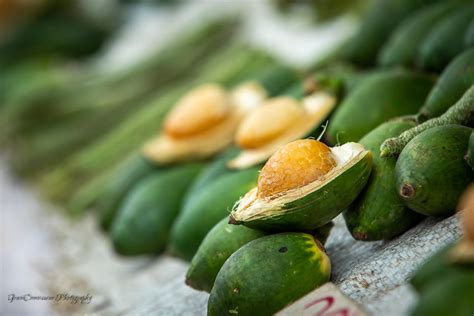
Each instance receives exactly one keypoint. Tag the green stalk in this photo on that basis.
(461, 113)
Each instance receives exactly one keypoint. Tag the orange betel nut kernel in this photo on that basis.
(295, 165)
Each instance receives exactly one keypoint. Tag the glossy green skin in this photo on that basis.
(210, 206)
(214, 170)
(320, 206)
(378, 213)
(403, 44)
(470, 151)
(456, 79)
(144, 221)
(377, 99)
(433, 165)
(446, 39)
(267, 274)
(220, 243)
(129, 174)
(379, 22)
(445, 288)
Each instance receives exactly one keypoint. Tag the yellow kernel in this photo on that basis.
(199, 110)
(268, 121)
(295, 165)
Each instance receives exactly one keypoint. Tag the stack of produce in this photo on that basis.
(101, 155)
(133, 206)
(305, 184)
(243, 179)
(201, 124)
(412, 130)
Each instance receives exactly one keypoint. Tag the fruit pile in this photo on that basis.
(249, 168)
(439, 280)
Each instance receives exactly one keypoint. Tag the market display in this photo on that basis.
(218, 153)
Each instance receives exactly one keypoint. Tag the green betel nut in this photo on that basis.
(378, 213)
(385, 95)
(129, 174)
(456, 79)
(304, 185)
(269, 273)
(144, 221)
(431, 172)
(220, 243)
(460, 113)
(206, 209)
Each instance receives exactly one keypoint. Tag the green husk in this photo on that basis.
(144, 221)
(431, 173)
(214, 170)
(455, 79)
(208, 207)
(461, 113)
(313, 205)
(378, 98)
(220, 243)
(295, 263)
(129, 174)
